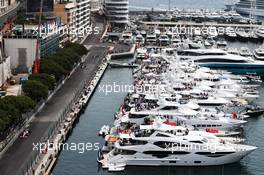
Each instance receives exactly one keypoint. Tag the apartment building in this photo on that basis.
(116, 11)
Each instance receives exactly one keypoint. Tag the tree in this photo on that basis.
(5, 120)
(45, 79)
(22, 103)
(50, 67)
(21, 20)
(11, 110)
(78, 48)
(35, 90)
(63, 61)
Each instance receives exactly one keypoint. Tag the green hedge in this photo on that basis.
(12, 108)
(52, 70)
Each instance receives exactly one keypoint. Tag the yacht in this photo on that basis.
(141, 53)
(245, 7)
(170, 146)
(244, 51)
(127, 37)
(252, 35)
(242, 34)
(259, 53)
(216, 58)
(230, 33)
(221, 43)
(175, 40)
(260, 32)
(200, 119)
(157, 32)
(140, 39)
(233, 50)
(151, 38)
(164, 40)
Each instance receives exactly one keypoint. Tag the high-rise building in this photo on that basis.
(83, 13)
(33, 6)
(5, 4)
(116, 11)
(75, 14)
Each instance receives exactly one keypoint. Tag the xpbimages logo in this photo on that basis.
(50, 29)
(78, 147)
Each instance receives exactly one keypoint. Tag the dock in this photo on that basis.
(49, 157)
(122, 65)
(121, 55)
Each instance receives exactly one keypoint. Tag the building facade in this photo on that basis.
(5, 67)
(75, 14)
(22, 43)
(67, 13)
(116, 11)
(95, 5)
(83, 13)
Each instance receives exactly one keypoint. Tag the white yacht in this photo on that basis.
(157, 32)
(175, 40)
(164, 40)
(201, 119)
(216, 58)
(141, 53)
(151, 38)
(140, 39)
(259, 53)
(260, 32)
(171, 146)
(245, 7)
(242, 34)
(245, 51)
(127, 38)
(230, 33)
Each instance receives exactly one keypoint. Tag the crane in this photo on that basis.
(38, 44)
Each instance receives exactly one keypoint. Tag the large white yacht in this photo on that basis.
(247, 7)
(171, 146)
(260, 32)
(259, 53)
(216, 58)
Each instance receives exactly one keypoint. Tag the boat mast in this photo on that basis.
(253, 9)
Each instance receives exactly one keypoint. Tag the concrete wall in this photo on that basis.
(22, 53)
(5, 71)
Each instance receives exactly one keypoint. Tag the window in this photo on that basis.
(196, 141)
(216, 154)
(126, 152)
(161, 135)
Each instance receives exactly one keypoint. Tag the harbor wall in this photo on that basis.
(44, 161)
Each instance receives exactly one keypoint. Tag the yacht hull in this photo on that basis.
(237, 68)
(191, 159)
(246, 11)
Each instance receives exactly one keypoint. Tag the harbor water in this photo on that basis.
(186, 4)
(100, 111)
